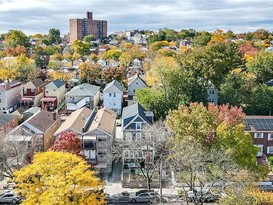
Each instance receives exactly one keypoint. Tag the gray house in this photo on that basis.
(134, 119)
(84, 95)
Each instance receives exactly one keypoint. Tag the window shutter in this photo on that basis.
(268, 151)
(269, 136)
(262, 135)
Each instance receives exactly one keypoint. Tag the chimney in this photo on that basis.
(89, 15)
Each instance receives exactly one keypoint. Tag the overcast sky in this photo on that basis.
(38, 16)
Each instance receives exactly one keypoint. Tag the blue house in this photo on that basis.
(134, 119)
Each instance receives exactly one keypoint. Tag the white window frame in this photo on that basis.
(268, 150)
(138, 123)
(270, 136)
(138, 136)
(258, 135)
(261, 149)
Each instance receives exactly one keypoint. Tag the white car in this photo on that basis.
(10, 197)
(204, 196)
(142, 197)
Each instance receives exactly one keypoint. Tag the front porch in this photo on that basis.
(49, 103)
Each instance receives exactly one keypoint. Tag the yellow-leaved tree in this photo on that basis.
(58, 178)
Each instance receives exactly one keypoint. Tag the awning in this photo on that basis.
(48, 99)
(89, 137)
(26, 99)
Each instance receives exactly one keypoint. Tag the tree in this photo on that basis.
(68, 142)
(82, 48)
(15, 38)
(14, 154)
(240, 83)
(54, 36)
(89, 38)
(7, 71)
(113, 73)
(25, 68)
(260, 34)
(215, 127)
(112, 54)
(58, 178)
(262, 66)
(217, 37)
(89, 73)
(19, 50)
(264, 95)
(202, 39)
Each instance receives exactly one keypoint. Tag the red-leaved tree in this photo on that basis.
(68, 142)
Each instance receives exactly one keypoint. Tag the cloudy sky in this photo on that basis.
(38, 16)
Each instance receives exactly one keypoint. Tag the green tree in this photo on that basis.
(58, 178)
(202, 38)
(240, 84)
(262, 66)
(220, 127)
(15, 38)
(264, 95)
(89, 38)
(54, 36)
(112, 54)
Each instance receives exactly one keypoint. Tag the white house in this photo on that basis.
(136, 63)
(102, 63)
(10, 93)
(134, 83)
(113, 63)
(113, 96)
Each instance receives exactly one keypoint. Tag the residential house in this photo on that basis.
(84, 95)
(32, 92)
(7, 123)
(38, 129)
(134, 83)
(102, 63)
(213, 95)
(113, 63)
(10, 93)
(30, 112)
(113, 96)
(98, 140)
(261, 130)
(136, 63)
(96, 131)
(134, 119)
(53, 95)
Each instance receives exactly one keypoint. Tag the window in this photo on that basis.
(89, 144)
(32, 90)
(126, 153)
(260, 152)
(102, 140)
(114, 103)
(114, 94)
(138, 126)
(138, 136)
(270, 136)
(138, 154)
(270, 150)
(128, 137)
(258, 135)
(110, 94)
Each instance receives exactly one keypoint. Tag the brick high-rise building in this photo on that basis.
(79, 28)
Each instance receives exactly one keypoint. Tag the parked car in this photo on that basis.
(142, 197)
(10, 197)
(198, 195)
(9, 186)
(120, 198)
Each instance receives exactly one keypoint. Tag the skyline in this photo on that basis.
(36, 16)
